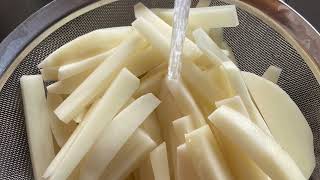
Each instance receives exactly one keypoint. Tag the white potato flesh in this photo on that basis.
(208, 161)
(88, 45)
(80, 116)
(286, 122)
(67, 86)
(205, 17)
(123, 125)
(272, 74)
(99, 80)
(229, 52)
(258, 145)
(150, 83)
(185, 101)
(234, 103)
(185, 168)
(113, 99)
(37, 117)
(60, 130)
(136, 149)
(145, 171)
(69, 70)
(152, 127)
(161, 28)
(203, 3)
(239, 88)
(49, 74)
(181, 127)
(209, 47)
(241, 165)
(159, 162)
(216, 34)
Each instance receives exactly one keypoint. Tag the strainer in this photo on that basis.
(270, 33)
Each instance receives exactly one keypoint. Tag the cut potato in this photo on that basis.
(285, 121)
(67, 86)
(159, 33)
(150, 83)
(239, 87)
(88, 45)
(272, 74)
(49, 74)
(99, 80)
(185, 101)
(208, 160)
(37, 117)
(136, 149)
(181, 127)
(159, 162)
(203, 3)
(60, 130)
(234, 103)
(114, 98)
(229, 52)
(68, 70)
(124, 125)
(216, 34)
(185, 168)
(145, 171)
(152, 127)
(80, 116)
(205, 17)
(259, 146)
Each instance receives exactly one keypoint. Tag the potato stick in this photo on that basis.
(119, 92)
(239, 87)
(86, 46)
(205, 17)
(185, 168)
(181, 127)
(67, 86)
(185, 102)
(234, 103)
(203, 3)
(68, 70)
(150, 83)
(190, 50)
(124, 125)
(49, 74)
(37, 117)
(99, 80)
(208, 161)
(80, 116)
(286, 122)
(60, 130)
(228, 51)
(152, 127)
(159, 162)
(145, 171)
(262, 148)
(216, 34)
(272, 74)
(135, 151)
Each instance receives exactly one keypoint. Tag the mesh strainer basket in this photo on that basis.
(270, 33)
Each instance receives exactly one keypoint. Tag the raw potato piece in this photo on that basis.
(203, 3)
(163, 30)
(60, 130)
(185, 168)
(86, 46)
(49, 74)
(234, 103)
(208, 160)
(123, 126)
(272, 74)
(152, 127)
(99, 80)
(216, 34)
(68, 70)
(136, 149)
(285, 121)
(205, 17)
(159, 162)
(37, 117)
(113, 99)
(181, 127)
(262, 148)
(145, 171)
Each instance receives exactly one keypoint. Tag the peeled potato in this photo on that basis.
(159, 162)
(185, 168)
(272, 74)
(285, 121)
(183, 126)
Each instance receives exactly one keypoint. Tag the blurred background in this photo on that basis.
(13, 12)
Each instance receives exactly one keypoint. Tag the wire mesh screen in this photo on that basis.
(255, 45)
